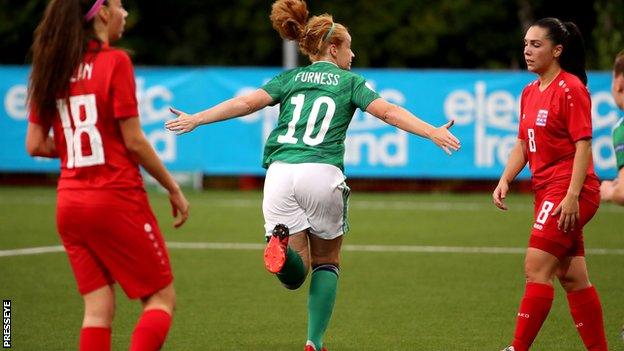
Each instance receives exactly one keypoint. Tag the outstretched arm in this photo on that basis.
(403, 119)
(515, 164)
(39, 142)
(235, 107)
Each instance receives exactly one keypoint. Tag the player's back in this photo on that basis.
(317, 104)
(87, 133)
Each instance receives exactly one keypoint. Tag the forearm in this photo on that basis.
(516, 162)
(618, 188)
(234, 107)
(39, 142)
(145, 155)
(403, 119)
(582, 156)
(47, 149)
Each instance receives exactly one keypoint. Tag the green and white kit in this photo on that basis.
(618, 142)
(304, 186)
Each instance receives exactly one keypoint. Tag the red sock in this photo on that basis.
(534, 309)
(587, 314)
(151, 331)
(95, 339)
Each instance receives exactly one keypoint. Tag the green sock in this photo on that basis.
(294, 272)
(321, 302)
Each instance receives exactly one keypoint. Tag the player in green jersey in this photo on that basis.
(613, 190)
(305, 196)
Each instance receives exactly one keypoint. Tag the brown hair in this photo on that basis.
(618, 64)
(290, 20)
(59, 45)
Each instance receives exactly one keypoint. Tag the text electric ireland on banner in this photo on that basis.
(483, 104)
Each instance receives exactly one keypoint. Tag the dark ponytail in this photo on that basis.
(59, 45)
(568, 35)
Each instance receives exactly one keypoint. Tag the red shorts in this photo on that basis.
(545, 234)
(112, 236)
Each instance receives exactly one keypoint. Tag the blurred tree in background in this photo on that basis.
(608, 36)
(393, 33)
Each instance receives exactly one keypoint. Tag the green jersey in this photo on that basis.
(618, 142)
(317, 103)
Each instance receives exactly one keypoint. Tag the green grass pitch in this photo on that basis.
(387, 300)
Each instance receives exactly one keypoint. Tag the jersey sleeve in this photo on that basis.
(274, 88)
(362, 95)
(521, 131)
(618, 143)
(124, 88)
(577, 107)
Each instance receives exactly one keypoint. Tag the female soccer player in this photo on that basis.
(305, 196)
(613, 190)
(555, 138)
(84, 91)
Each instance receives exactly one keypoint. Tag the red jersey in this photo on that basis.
(551, 122)
(86, 129)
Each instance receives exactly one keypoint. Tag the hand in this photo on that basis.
(499, 194)
(606, 190)
(179, 206)
(569, 210)
(442, 137)
(183, 124)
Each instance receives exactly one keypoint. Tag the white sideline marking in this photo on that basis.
(354, 248)
(31, 251)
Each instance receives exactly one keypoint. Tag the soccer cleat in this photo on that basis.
(310, 347)
(509, 348)
(275, 251)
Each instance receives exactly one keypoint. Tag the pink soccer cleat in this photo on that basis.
(275, 251)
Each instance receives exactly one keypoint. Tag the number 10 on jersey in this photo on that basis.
(298, 101)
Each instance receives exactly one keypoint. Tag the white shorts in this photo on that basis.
(304, 196)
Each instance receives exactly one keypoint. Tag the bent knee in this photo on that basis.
(569, 283)
(164, 299)
(98, 316)
(536, 274)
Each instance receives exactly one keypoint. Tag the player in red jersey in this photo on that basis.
(555, 138)
(84, 91)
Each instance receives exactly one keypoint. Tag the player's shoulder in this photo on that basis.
(619, 125)
(115, 56)
(287, 74)
(567, 82)
(533, 85)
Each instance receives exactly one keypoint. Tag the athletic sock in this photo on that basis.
(587, 314)
(95, 339)
(293, 274)
(534, 309)
(151, 331)
(321, 300)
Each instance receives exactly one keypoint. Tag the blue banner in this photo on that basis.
(484, 105)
